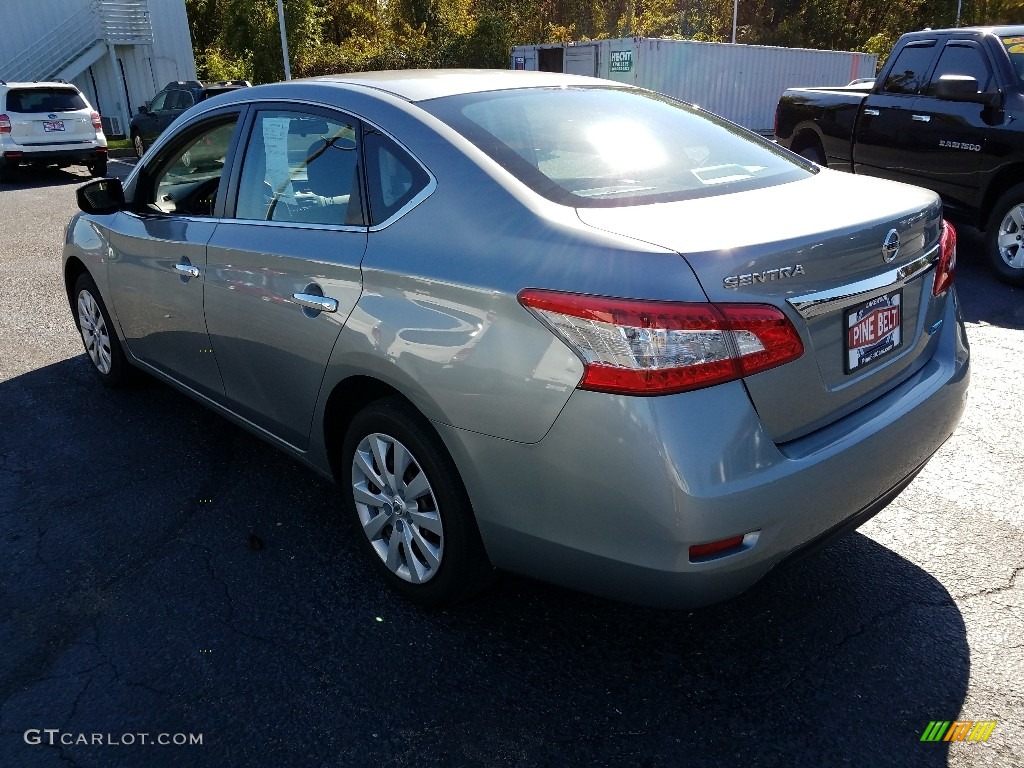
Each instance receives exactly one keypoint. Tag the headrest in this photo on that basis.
(330, 168)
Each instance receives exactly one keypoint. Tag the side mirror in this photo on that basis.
(101, 196)
(144, 109)
(965, 89)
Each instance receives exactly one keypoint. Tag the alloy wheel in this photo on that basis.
(94, 332)
(397, 508)
(1010, 238)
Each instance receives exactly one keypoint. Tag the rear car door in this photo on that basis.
(948, 143)
(284, 269)
(884, 125)
(158, 265)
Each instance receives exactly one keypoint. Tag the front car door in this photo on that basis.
(284, 269)
(885, 123)
(949, 139)
(157, 266)
(147, 123)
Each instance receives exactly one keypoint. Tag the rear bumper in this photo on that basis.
(612, 498)
(83, 153)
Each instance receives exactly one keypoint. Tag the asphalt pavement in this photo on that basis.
(137, 608)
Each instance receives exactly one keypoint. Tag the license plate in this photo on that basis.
(874, 329)
(56, 125)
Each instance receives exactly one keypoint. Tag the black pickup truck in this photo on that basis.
(947, 113)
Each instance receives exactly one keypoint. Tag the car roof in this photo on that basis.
(40, 84)
(423, 84)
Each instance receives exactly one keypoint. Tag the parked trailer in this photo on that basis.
(742, 83)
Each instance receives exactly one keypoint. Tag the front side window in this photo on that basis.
(301, 167)
(601, 147)
(960, 59)
(157, 103)
(186, 180)
(908, 72)
(44, 100)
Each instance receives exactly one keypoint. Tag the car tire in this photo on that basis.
(139, 145)
(418, 529)
(1004, 237)
(6, 172)
(99, 338)
(98, 167)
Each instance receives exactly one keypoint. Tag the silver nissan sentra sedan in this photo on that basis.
(534, 322)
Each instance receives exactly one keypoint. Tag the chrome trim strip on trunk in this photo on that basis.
(820, 303)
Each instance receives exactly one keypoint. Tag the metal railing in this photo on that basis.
(126, 21)
(123, 22)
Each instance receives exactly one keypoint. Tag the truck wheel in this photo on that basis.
(814, 153)
(1004, 237)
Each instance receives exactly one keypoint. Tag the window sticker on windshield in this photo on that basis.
(1012, 40)
(1019, 48)
(275, 147)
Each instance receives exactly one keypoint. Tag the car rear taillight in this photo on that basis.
(96, 122)
(635, 347)
(5, 124)
(946, 270)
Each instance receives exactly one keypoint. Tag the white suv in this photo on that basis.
(49, 124)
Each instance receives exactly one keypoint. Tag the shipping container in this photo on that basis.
(742, 83)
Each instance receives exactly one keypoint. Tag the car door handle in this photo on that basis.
(872, 112)
(186, 270)
(317, 303)
(921, 118)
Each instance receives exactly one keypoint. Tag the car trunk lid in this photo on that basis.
(814, 249)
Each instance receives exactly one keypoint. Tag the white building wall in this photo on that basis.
(171, 57)
(22, 22)
(116, 78)
(741, 83)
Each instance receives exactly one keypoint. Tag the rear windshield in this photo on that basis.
(1014, 45)
(601, 147)
(44, 100)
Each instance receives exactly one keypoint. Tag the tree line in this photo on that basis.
(240, 39)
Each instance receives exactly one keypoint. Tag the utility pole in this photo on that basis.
(735, 13)
(284, 40)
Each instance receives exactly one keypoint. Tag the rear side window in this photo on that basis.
(44, 100)
(180, 100)
(910, 69)
(962, 59)
(602, 147)
(393, 177)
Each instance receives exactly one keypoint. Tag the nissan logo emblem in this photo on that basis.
(891, 245)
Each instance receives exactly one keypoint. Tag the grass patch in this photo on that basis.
(119, 144)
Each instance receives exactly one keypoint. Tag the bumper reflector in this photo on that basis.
(701, 551)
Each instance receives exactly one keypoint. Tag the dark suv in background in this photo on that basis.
(160, 111)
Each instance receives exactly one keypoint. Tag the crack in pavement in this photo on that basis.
(1011, 584)
(64, 632)
(861, 630)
